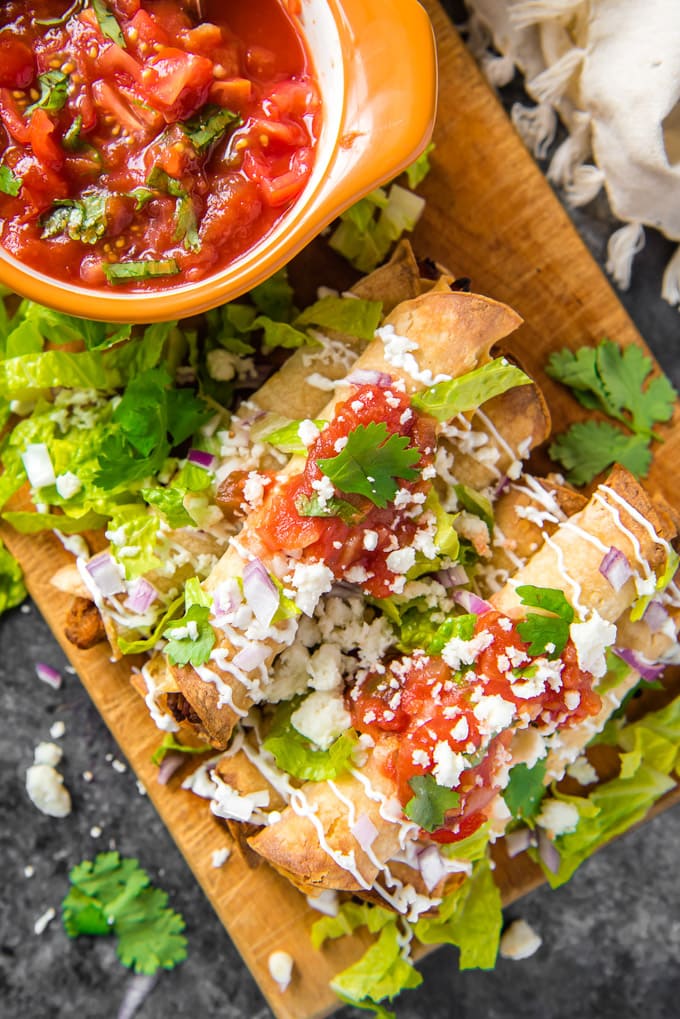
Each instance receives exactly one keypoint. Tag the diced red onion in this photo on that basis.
(471, 602)
(105, 573)
(142, 594)
(519, 840)
(364, 831)
(548, 852)
(38, 465)
(137, 990)
(260, 592)
(369, 377)
(615, 568)
(648, 670)
(453, 576)
(432, 867)
(501, 486)
(173, 760)
(200, 458)
(48, 675)
(250, 657)
(655, 616)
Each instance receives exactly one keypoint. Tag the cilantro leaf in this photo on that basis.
(430, 802)
(114, 895)
(311, 506)
(454, 396)
(525, 790)
(618, 383)
(208, 126)
(541, 631)
(371, 462)
(108, 23)
(81, 219)
(191, 638)
(10, 184)
(53, 92)
(590, 447)
(139, 269)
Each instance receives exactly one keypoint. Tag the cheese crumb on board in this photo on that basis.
(519, 941)
(281, 968)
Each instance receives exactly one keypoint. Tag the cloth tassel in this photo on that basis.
(585, 184)
(532, 12)
(498, 71)
(573, 151)
(670, 285)
(536, 126)
(550, 85)
(622, 248)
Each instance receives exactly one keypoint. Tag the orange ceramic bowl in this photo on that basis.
(375, 62)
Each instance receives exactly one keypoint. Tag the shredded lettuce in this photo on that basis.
(367, 231)
(344, 314)
(12, 587)
(382, 972)
(470, 917)
(446, 399)
(297, 756)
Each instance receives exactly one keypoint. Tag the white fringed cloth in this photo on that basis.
(610, 70)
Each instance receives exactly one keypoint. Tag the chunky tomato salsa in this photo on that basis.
(149, 144)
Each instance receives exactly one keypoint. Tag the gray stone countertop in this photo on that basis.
(611, 937)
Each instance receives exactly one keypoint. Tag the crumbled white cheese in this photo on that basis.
(46, 790)
(322, 717)
(325, 668)
(254, 489)
(228, 803)
(38, 465)
(398, 352)
(460, 730)
(41, 923)
(68, 484)
(219, 857)
(57, 729)
(281, 968)
(95, 831)
(558, 817)
(493, 713)
(421, 758)
(370, 541)
(311, 581)
(519, 941)
(47, 753)
(308, 432)
(401, 560)
(118, 766)
(448, 765)
(591, 639)
(459, 652)
(221, 365)
(582, 770)
(528, 747)
(572, 699)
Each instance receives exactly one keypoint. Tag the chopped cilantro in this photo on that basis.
(430, 802)
(455, 396)
(82, 219)
(311, 506)
(53, 92)
(71, 139)
(10, 184)
(186, 224)
(618, 383)
(141, 269)
(525, 790)
(107, 22)
(113, 895)
(545, 634)
(208, 126)
(371, 463)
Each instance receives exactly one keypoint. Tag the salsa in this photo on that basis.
(458, 723)
(350, 534)
(149, 143)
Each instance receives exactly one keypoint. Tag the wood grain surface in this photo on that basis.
(490, 215)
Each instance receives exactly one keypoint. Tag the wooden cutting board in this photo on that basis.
(490, 215)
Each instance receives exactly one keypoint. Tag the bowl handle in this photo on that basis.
(390, 102)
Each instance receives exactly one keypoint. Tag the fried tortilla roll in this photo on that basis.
(620, 516)
(452, 333)
(463, 735)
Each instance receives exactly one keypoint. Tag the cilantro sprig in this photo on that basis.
(430, 802)
(113, 895)
(546, 634)
(616, 382)
(525, 790)
(371, 463)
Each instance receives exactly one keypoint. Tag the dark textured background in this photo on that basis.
(611, 937)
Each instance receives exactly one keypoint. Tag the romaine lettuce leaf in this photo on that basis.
(446, 399)
(345, 314)
(297, 756)
(470, 917)
(12, 588)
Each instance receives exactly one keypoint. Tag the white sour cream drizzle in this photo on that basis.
(575, 586)
(163, 719)
(515, 466)
(638, 518)
(346, 861)
(225, 694)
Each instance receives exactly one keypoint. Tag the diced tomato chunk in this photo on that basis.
(41, 139)
(178, 82)
(17, 66)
